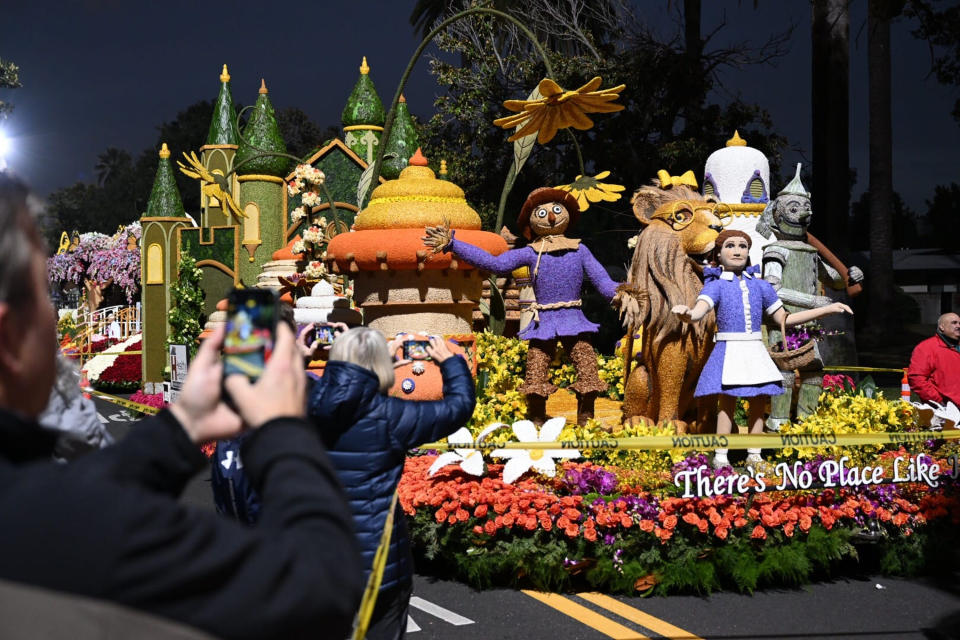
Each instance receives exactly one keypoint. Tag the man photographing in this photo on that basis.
(109, 527)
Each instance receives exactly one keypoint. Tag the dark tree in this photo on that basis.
(831, 128)
(9, 79)
(942, 216)
(939, 25)
(880, 278)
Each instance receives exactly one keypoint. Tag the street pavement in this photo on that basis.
(862, 607)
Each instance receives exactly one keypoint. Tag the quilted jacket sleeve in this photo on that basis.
(419, 422)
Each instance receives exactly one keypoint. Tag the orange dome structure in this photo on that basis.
(398, 283)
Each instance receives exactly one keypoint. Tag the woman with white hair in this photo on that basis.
(368, 434)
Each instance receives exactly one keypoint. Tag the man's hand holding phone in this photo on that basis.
(281, 390)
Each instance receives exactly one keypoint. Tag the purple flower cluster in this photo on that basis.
(801, 334)
(590, 480)
(100, 258)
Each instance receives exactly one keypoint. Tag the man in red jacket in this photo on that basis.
(934, 372)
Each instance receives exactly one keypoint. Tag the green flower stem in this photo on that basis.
(388, 122)
(576, 147)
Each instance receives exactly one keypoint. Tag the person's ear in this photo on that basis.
(9, 339)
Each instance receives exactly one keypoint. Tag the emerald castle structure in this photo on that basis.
(231, 250)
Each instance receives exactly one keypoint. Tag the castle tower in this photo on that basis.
(363, 117)
(739, 176)
(403, 142)
(261, 189)
(218, 153)
(159, 255)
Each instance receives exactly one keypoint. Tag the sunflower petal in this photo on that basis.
(548, 128)
(602, 175)
(591, 86)
(548, 88)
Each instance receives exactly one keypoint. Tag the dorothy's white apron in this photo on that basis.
(746, 361)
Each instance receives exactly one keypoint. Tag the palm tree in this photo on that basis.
(830, 36)
(880, 279)
(110, 164)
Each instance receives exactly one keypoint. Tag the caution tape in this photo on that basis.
(715, 441)
(123, 402)
(880, 369)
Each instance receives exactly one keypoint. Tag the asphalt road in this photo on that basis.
(867, 607)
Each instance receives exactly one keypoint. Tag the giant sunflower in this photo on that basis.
(558, 109)
(587, 189)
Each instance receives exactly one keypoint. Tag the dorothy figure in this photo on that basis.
(739, 365)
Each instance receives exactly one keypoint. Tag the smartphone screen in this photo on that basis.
(251, 327)
(416, 350)
(324, 334)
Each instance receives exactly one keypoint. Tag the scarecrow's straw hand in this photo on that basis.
(438, 238)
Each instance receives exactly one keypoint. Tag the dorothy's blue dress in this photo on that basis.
(739, 364)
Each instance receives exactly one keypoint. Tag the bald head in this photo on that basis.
(949, 325)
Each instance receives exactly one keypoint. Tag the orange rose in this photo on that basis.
(478, 530)
(703, 525)
(691, 519)
(788, 529)
(490, 527)
(546, 524)
(759, 533)
(646, 525)
(590, 534)
(463, 515)
(572, 514)
(670, 522)
(572, 531)
(480, 511)
(721, 532)
(440, 515)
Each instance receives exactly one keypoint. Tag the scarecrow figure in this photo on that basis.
(558, 265)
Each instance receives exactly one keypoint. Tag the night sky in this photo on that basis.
(104, 73)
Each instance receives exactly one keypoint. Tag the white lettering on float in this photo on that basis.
(701, 483)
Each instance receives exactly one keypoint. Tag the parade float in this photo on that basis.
(626, 502)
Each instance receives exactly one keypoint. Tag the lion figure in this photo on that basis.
(680, 228)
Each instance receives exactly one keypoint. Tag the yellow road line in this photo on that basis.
(586, 616)
(639, 617)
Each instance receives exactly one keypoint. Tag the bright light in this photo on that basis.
(4, 149)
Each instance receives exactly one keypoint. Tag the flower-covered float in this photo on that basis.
(626, 521)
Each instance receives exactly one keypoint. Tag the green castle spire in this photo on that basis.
(403, 142)
(223, 125)
(165, 197)
(263, 133)
(363, 106)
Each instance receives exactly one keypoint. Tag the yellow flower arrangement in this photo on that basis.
(587, 189)
(850, 414)
(558, 109)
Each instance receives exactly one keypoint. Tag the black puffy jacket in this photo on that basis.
(367, 435)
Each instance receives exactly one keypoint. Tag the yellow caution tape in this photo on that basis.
(123, 402)
(362, 620)
(901, 370)
(714, 441)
